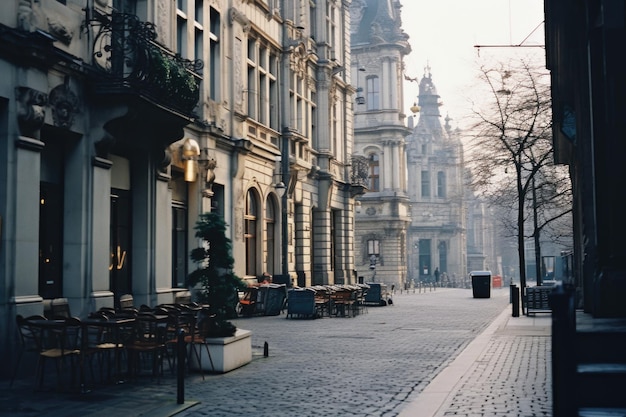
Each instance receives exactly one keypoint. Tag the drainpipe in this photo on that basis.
(285, 136)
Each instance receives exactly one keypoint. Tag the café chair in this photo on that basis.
(28, 340)
(57, 341)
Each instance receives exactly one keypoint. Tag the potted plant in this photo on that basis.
(218, 284)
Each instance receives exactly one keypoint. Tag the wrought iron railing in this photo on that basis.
(359, 174)
(127, 50)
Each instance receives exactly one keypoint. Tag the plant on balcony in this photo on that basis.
(217, 283)
(171, 74)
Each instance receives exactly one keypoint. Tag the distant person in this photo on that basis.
(436, 275)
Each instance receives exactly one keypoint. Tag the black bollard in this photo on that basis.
(181, 352)
(266, 350)
(515, 299)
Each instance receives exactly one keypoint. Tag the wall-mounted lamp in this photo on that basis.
(357, 206)
(415, 108)
(190, 154)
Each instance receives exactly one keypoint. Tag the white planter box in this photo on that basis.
(227, 353)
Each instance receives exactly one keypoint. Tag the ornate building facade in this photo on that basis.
(123, 120)
(383, 217)
(437, 235)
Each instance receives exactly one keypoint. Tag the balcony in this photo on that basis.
(128, 61)
(359, 175)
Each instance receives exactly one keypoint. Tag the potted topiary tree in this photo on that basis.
(218, 284)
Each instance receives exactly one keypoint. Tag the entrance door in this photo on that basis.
(50, 240)
(119, 264)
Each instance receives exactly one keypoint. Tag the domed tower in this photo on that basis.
(378, 47)
(436, 237)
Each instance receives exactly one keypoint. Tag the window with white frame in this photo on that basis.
(373, 93)
(191, 42)
(262, 91)
(301, 105)
(373, 247)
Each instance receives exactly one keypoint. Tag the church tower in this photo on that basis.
(437, 235)
(378, 48)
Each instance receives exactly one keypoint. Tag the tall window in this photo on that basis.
(332, 30)
(374, 173)
(373, 93)
(373, 247)
(262, 85)
(425, 183)
(179, 229)
(301, 102)
(270, 235)
(214, 55)
(250, 232)
(441, 184)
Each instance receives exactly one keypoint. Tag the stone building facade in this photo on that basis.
(123, 120)
(437, 237)
(383, 216)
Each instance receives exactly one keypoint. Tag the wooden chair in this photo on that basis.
(58, 341)
(148, 343)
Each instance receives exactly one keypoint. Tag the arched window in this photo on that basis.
(270, 235)
(250, 232)
(374, 173)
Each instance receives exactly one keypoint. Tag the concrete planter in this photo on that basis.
(227, 353)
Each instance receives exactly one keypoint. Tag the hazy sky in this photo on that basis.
(443, 34)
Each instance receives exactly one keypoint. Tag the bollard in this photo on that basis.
(515, 299)
(181, 352)
(266, 350)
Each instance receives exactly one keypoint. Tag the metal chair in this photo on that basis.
(28, 340)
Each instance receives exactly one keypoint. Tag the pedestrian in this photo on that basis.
(436, 275)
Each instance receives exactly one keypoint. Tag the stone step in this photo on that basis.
(601, 385)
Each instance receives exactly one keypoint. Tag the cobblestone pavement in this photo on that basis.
(375, 364)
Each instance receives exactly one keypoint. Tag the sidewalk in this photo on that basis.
(403, 361)
(505, 371)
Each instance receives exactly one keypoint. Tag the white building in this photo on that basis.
(437, 235)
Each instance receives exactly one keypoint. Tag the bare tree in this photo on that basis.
(510, 151)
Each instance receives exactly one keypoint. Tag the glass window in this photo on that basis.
(374, 173)
(179, 230)
(425, 184)
(270, 236)
(373, 93)
(441, 184)
(250, 232)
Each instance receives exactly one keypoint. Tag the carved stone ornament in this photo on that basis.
(60, 31)
(64, 104)
(31, 110)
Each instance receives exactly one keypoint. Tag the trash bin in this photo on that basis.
(481, 284)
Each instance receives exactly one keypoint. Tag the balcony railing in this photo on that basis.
(126, 49)
(359, 175)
